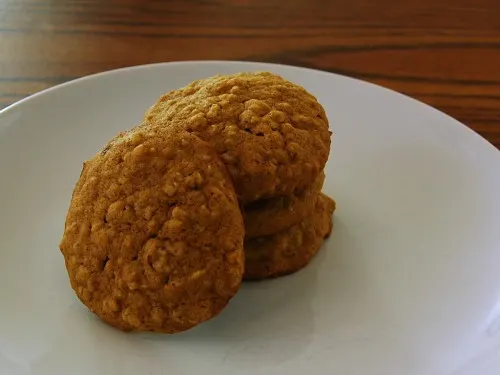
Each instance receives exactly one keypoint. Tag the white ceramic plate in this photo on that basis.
(409, 283)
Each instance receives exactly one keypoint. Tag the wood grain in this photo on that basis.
(443, 52)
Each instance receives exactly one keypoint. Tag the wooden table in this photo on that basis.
(443, 52)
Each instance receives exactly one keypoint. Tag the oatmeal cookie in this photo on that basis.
(153, 239)
(272, 135)
(273, 215)
(292, 249)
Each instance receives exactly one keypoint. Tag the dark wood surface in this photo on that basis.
(443, 52)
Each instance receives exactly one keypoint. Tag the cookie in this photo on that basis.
(153, 239)
(272, 135)
(269, 216)
(292, 249)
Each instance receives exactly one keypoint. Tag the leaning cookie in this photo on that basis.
(292, 249)
(153, 239)
(272, 135)
(273, 215)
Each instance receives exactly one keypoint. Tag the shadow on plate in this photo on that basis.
(265, 324)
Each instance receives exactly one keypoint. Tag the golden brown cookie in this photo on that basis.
(273, 135)
(292, 249)
(153, 239)
(269, 216)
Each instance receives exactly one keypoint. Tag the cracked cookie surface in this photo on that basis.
(269, 216)
(153, 239)
(292, 249)
(272, 135)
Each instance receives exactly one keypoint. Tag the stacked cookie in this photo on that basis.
(274, 138)
(222, 181)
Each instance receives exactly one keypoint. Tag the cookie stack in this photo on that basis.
(274, 138)
(222, 181)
